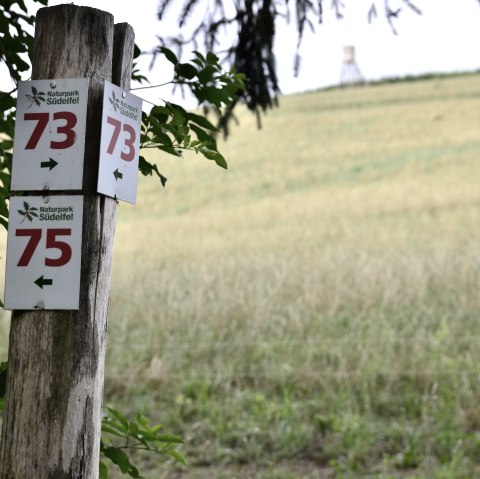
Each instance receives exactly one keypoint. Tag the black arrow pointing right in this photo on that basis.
(49, 164)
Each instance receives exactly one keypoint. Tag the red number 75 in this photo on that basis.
(35, 235)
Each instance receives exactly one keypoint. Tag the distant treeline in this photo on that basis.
(399, 79)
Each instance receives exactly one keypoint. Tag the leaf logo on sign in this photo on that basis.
(115, 102)
(28, 212)
(36, 97)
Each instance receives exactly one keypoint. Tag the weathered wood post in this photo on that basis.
(52, 419)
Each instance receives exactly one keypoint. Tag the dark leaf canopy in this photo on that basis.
(248, 27)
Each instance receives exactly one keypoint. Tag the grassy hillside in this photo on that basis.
(312, 312)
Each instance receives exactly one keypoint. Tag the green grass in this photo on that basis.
(312, 312)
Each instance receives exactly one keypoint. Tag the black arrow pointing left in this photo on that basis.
(41, 282)
(117, 175)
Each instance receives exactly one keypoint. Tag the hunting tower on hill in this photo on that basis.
(351, 74)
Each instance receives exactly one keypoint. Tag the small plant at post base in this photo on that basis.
(121, 435)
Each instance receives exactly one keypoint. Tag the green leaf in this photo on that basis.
(6, 101)
(136, 51)
(212, 58)
(159, 110)
(178, 112)
(138, 77)
(140, 418)
(186, 140)
(103, 474)
(21, 4)
(207, 74)
(214, 155)
(171, 150)
(163, 139)
(199, 56)
(198, 62)
(202, 135)
(147, 169)
(120, 417)
(6, 145)
(176, 455)
(160, 113)
(221, 161)
(118, 457)
(133, 428)
(110, 429)
(4, 179)
(202, 121)
(22, 66)
(176, 129)
(186, 70)
(170, 438)
(160, 136)
(3, 207)
(214, 95)
(169, 55)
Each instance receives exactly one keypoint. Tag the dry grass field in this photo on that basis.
(313, 312)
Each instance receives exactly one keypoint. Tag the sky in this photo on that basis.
(444, 38)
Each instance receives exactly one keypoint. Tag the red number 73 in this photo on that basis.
(42, 119)
(129, 141)
(35, 235)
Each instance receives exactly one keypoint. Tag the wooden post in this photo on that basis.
(52, 419)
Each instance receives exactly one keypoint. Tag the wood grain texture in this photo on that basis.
(52, 419)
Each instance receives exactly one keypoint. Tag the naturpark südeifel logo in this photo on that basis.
(28, 212)
(36, 97)
(115, 102)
